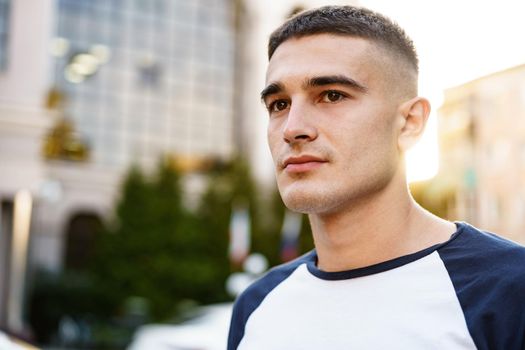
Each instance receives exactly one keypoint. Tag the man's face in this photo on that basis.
(332, 122)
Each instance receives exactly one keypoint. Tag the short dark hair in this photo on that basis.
(346, 20)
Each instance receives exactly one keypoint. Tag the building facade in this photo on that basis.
(86, 90)
(482, 147)
(24, 76)
(143, 77)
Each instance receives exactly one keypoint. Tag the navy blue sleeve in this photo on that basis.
(488, 274)
(253, 296)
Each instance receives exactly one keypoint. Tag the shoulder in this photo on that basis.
(487, 274)
(249, 300)
(258, 290)
(472, 250)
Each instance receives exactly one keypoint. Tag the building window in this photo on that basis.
(161, 53)
(81, 239)
(4, 28)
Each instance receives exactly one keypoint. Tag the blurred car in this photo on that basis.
(206, 328)
(10, 343)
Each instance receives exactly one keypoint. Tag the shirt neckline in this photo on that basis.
(311, 263)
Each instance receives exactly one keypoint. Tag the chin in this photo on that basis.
(325, 198)
(298, 206)
(306, 201)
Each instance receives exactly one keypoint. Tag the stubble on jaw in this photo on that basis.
(365, 174)
(327, 198)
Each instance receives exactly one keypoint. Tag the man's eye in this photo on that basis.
(332, 96)
(277, 106)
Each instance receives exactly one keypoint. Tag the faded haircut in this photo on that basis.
(347, 21)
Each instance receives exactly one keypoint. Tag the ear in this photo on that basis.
(413, 116)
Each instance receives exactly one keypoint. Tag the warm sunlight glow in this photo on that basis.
(457, 41)
(422, 161)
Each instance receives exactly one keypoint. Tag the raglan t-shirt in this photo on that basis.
(466, 293)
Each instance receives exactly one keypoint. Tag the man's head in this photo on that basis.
(342, 99)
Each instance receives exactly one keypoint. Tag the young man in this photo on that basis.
(343, 108)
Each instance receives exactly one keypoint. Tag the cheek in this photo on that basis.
(355, 137)
(366, 139)
(381, 145)
(273, 137)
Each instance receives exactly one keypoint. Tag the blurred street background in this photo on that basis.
(136, 187)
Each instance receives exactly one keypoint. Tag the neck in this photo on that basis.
(382, 227)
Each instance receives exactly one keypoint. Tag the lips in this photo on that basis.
(302, 163)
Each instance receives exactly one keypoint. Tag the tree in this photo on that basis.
(228, 184)
(232, 184)
(156, 249)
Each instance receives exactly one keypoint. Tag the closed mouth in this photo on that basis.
(302, 163)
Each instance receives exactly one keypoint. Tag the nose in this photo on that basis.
(299, 126)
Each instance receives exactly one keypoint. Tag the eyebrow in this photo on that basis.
(335, 79)
(275, 88)
(272, 89)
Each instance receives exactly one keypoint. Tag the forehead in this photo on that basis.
(323, 54)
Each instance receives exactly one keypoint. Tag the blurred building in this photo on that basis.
(87, 89)
(482, 146)
(144, 77)
(4, 24)
(24, 79)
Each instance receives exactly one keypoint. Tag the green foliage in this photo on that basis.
(229, 185)
(270, 242)
(305, 237)
(157, 249)
(234, 184)
(306, 240)
(159, 253)
(54, 296)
